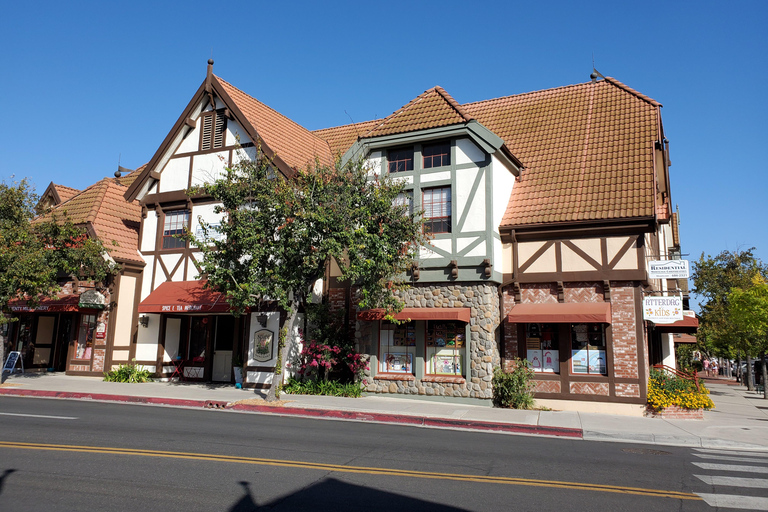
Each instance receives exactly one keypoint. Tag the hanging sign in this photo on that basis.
(663, 310)
(668, 269)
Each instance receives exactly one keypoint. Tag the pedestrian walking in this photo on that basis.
(706, 367)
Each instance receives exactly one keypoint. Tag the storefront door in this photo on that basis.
(222, 352)
(44, 335)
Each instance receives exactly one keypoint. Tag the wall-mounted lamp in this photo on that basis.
(262, 319)
(144, 321)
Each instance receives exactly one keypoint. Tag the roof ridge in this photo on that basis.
(270, 108)
(630, 90)
(455, 104)
(527, 93)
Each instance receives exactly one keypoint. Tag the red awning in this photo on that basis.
(184, 297)
(689, 324)
(460, 314)
(65, 304)
(581, 312)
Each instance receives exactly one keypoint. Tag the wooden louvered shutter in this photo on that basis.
(205, 143)
(219, 129)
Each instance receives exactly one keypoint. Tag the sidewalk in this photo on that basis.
(739, 420)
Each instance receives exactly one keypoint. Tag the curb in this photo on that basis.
(373, 417)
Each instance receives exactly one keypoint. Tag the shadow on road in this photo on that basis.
(4, 476)
(335, 495)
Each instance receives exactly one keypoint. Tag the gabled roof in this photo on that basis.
(56, 194)
(588, 151)
(288, 144)
(292, 142)
(340, 138)
(115, 221)
(431, 109)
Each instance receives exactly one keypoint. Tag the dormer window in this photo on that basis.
(214, 129)
(436, 155)
(400, 160)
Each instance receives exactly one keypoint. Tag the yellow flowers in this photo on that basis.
(664, 392)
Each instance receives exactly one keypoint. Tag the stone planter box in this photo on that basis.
(673, 412)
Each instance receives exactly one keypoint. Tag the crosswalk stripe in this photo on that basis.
(731, 467)
(738, 453)
(734, 501)
(732, 481)
(730, 459)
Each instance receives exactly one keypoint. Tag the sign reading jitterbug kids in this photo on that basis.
(663, 310)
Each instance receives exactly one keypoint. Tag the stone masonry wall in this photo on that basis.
(483, 301)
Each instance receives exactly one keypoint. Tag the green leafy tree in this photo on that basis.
(713, 279)
(36, 251)
(748, 312)
(279, 233)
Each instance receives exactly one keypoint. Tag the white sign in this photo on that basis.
(663, 310)
(668, 269)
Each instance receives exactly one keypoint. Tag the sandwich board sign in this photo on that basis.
(14, 358)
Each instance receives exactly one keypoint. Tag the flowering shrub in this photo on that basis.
(319, 361)
(665, 390)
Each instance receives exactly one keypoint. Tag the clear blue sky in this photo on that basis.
(86, 83)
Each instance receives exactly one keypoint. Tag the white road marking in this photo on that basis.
(734, 501)
(732, 481)
(740, 453)
(730, 467)
(731, 459)
(38, 416)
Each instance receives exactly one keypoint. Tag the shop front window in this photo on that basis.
(85, 337)
(543, 347)
(397, 348)
(588, 349)
(445, 348)
(198, 338)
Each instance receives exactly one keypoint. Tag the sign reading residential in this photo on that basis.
(663, 310)
(668, 269)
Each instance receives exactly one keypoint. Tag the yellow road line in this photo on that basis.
(658, 493)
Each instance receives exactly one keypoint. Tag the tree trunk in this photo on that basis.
(739, 377)
(282, 347)
(2, 358)
(750, 382)
(765, 375)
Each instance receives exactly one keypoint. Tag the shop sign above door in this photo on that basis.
(663, 310)
(668, 269)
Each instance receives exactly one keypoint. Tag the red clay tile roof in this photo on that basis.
(65, 192)
(296, 145)
(341, 138)
(128, 179)
(431, 109)
(588, 151)
(115, 220)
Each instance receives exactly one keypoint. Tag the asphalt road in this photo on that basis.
(69, 455)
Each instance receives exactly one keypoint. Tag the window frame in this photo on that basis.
(407, 348)
(428, 209)
(437, 159)
(408, 161)
(591, 335)
(173, 242)
(433, 349)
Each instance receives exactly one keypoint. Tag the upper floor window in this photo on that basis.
(400, 160)
(175, 223)
(405, 201)
(214, 129)
(436, 155)
(437, 209)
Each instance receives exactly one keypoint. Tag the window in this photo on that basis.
(397, 348)
(437, 210)
(175, 223)
(405, 200)
(400, 160)
(588, 349)
(214, 129)
(436, 155)
(85, 337)
(445, 348)
(541, 341)
(198, 338)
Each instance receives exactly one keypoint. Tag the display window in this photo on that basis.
(543, 347)
(445, 342)
(397, 347)
(85, 334)
(588, 354)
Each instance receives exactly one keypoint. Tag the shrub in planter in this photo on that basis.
(514, 389)
(665, 390)
(128, 373)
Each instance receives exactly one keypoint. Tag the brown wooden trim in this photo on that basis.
(553, 277)
(164, 198)
(535, 256)
(164, 268)
(596, 229)
(222, 149)
(260, 369)
(589, 259)
(622, 252)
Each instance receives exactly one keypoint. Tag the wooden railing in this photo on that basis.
(679, 373)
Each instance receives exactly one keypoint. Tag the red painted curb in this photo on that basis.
(376, 417)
